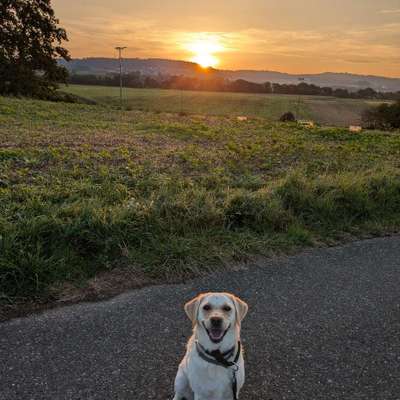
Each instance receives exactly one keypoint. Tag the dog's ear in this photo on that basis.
(192, 307)
(241, 308)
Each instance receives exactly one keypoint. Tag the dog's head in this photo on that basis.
(216, 314)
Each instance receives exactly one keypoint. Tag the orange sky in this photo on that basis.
(309, 36)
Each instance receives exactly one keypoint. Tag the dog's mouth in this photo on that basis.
(216, 335)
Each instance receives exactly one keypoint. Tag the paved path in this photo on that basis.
(322, 325)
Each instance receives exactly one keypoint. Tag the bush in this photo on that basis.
(68, 98)
(385, 116)
(288, 117)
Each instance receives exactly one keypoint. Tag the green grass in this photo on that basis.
(85, 189)
(324, 110)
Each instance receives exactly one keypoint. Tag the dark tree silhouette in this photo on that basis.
(30, 45)
(385, 116)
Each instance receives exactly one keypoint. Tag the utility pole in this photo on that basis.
(298, 100)
(120, 73)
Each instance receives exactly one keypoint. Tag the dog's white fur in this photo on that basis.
(198, 379)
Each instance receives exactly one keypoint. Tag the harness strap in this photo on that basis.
(222, 359)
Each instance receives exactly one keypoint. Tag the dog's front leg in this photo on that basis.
(182, 387)
(188, 396)
(179, 397)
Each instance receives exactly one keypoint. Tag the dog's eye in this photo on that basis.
(207, 307)
(226, 308)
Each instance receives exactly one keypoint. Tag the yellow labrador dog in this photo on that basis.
(213, 366)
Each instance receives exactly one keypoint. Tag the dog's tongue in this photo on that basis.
(216, 334)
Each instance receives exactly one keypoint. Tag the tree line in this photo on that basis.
(218, 84)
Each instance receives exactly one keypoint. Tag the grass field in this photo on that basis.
(324, 110)
(85, 189)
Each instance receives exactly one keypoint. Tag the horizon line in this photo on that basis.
(236, 70)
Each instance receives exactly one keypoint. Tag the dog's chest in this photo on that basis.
(211, 381)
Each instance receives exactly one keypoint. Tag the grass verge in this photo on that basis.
(85, 190)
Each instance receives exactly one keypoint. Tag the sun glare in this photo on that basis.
(206, 60)
(204, 52)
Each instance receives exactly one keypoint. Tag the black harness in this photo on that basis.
(222, 360)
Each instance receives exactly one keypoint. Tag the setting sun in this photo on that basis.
(206, 60)
(204, 52)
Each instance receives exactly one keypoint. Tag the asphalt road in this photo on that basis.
(324, 324)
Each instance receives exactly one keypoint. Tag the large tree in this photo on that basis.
(30, 47)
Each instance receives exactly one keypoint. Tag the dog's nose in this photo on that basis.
(216, 322)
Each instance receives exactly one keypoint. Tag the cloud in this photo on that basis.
(375, 49)
(395, 11)
(374, 43)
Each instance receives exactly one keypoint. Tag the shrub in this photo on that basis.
(385, 116)
(288, 117)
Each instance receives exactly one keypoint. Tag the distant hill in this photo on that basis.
(151, 66)
(330, 79)
(154, 66)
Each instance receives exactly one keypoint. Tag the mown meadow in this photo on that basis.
(85, 189)
(323, 110)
